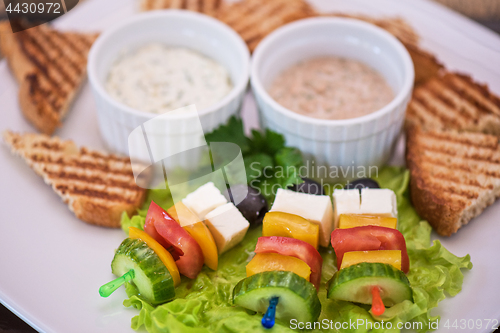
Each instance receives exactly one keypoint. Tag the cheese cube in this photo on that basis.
(227, 225)
(316, 208)
(345, 202)
(205, 199)
(381, 202)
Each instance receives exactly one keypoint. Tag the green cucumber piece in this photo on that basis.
(297, 297)
(152, 278)
(354, 284)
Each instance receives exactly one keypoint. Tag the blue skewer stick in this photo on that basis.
(268, 319)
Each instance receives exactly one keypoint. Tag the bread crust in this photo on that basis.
(17, 60)
(44, 102)
(426, 65)
(441, 215)
(44, 120)
(467, 194)
(438, 213)
(104, 216)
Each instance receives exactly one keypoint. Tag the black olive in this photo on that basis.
(362, 183)
(253, 207)
(309, 186)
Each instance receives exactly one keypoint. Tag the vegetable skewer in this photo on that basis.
(372, 259)
(173, 242)
(284, 268)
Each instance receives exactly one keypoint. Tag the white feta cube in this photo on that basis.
(227, 225)
(315, 208)
(205, 199)
(346, 202)
(381, 202)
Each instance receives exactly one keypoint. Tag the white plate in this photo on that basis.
(52, 264)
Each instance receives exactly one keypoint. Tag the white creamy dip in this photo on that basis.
(157, 78)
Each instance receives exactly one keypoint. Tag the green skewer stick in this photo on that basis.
(111, 286)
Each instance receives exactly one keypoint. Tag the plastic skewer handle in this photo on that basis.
(378, 307)
(268, 319)
(110, 287)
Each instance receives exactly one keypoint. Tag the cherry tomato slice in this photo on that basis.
(369, 238)
(191, 261)
(294, 248)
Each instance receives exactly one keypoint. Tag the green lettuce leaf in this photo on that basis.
(136, 221)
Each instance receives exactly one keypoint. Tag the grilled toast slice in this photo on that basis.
(255, 19)
(97, 187)
(454, 175)
(252, 19)
(208, 7)
(455, 101)
(394, 25)
(426, 65)
(50, 67)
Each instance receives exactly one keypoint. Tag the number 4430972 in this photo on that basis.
(470, 324)
(33, 8)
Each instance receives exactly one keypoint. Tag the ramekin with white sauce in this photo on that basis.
(178, 34)
(334, 145)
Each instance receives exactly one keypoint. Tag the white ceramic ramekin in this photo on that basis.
(335, 144)
(176, 28)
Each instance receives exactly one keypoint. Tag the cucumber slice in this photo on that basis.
(152, 278)
(297, 297)
(354, 284)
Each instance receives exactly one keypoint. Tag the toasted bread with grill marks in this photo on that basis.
(426, 65)
(252, 19)
(255, 19)
(50, 67)
(208, 7)
(455, 101)
(97, 187)
(394, 25)
(454, 175)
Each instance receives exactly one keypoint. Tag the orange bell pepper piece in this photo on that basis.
(290, 225)
(263, 262)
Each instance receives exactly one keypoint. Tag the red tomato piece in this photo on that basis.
(191, 261)
(294, 248)
(369, 238)
(149, 228)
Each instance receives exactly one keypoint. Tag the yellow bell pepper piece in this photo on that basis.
(290, 225)
(198, 230)
(347, 221)
(164, 255)
(182, 214)
(263, 262)
(390, 257)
